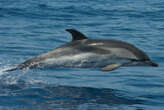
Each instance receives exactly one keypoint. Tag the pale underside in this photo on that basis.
(83, 60)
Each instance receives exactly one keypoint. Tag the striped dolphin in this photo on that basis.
(83, 52)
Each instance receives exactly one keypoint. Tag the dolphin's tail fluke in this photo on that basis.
(19, 67)
(11, 69)
(22, 66)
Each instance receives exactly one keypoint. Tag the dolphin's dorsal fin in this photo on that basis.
(76, 35)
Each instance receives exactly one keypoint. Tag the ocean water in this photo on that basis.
(29, 28)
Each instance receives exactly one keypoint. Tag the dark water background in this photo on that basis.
(31, 27)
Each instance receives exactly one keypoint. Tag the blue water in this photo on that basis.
(29, 28)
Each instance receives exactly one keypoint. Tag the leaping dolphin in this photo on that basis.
(83, 52)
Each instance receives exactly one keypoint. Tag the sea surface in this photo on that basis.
(31, 27)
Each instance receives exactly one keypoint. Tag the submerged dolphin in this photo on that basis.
(83, 52)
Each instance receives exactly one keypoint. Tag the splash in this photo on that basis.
(5, 68)
(10, 77)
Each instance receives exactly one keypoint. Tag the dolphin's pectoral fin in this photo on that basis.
(76, 35)
(110, 67)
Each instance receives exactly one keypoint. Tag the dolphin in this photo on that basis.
(83, 52)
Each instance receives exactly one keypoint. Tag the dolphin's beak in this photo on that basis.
(152, 63)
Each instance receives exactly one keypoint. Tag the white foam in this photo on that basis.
(9, 77)
(3, 69)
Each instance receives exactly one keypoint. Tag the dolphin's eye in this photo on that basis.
(141, 60)
(134, 60)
